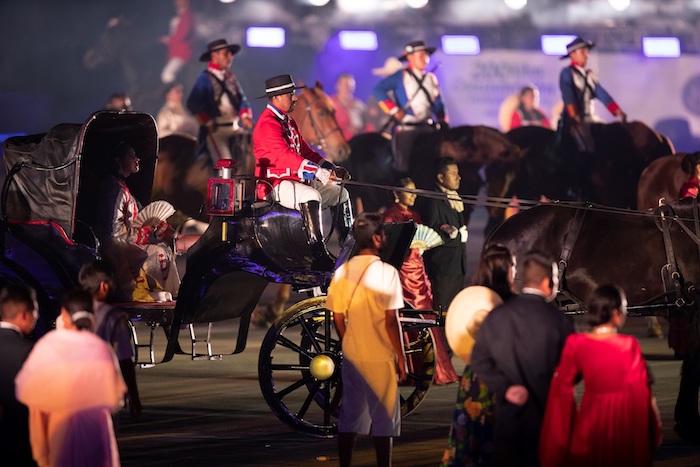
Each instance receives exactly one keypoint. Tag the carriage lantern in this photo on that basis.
(224, 195)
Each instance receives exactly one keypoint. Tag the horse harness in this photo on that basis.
(567, 247)
(667, 217)
(682, 295)
(320, 136)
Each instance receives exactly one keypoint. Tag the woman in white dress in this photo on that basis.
(71, 383)
(145, 265)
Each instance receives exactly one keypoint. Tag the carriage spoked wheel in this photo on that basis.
(299, 369)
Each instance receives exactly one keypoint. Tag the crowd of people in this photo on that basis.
(515, 402)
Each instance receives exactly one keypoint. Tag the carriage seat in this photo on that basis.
(48, 240)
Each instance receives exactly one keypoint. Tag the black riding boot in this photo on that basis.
(343, 220)
(311, 215)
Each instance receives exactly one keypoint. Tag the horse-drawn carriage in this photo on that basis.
(49, 201)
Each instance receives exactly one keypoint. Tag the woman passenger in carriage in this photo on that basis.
(145, 266)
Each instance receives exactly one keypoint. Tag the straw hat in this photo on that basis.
(391, 66)
(465, 315)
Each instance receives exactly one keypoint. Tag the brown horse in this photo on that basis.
(609, 176)
(471, 146)
(182, 175)
(626, 248)
(660, 179)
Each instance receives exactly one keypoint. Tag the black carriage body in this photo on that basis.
(49, 199)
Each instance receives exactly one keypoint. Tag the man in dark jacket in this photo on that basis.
(516, 352)
(18, 311)
(447, 264)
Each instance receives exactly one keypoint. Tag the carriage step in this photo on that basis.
(151, 362)
(206, 341)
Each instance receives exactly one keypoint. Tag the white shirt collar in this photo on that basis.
(534, 291)
(6, 325)
(278, 113)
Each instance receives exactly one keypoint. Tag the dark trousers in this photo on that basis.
(516, 435)
(445, 288)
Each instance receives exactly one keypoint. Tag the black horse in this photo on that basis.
(555, 169)
(626, 248)
(472, 147)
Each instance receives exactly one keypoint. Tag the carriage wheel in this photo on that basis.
(299, 369)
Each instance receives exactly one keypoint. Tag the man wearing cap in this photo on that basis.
(218, 103)
(412, 97)
(285, 160)
(578, 87)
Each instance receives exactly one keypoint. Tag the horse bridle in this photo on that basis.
(320, 142)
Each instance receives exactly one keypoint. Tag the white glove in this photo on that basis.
(323, 175)
(464, 234)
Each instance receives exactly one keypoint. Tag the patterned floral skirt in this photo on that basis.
(471, 435)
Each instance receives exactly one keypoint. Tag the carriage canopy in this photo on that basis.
(56, 176)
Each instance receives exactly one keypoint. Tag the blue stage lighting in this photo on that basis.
(460, 45)
(555, 44)
(661, 46)
(265, 37)
(358, 40)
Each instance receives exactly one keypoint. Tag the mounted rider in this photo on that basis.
(412, 97)
(299, 177)
(578, 88)
(220, 106)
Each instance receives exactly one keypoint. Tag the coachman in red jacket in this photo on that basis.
(300, 177)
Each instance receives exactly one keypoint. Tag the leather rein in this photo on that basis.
(320, 141)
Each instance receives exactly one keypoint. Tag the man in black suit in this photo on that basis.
(446, 265)
(516, 352)
(18, 311)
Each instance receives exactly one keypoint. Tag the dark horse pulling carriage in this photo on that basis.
(653, 256)
(49, 205)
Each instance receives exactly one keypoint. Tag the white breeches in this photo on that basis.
(291, 194)
(171, 69)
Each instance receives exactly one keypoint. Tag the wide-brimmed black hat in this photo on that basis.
(415, 46)
(218, 45)
(576, 44)
(278, 85)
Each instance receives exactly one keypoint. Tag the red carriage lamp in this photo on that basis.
(222, 192)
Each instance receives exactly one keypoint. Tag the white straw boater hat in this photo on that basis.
(415, 46)
(465, 315)
(576, 44)
(218, 45)
(278, 85)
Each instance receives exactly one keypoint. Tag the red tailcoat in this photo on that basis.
(280, 151)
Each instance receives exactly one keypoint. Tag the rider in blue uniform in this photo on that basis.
(578, 88)
(412, 97)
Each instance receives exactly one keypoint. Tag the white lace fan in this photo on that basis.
(154, 213)
(425, 238)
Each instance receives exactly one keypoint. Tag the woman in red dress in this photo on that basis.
(618, 422)
(414, 280)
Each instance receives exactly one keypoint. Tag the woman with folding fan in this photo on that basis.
(136, 241)
(414, 280)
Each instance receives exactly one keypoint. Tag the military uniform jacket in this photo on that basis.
(280, 151)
